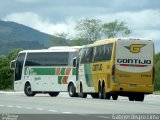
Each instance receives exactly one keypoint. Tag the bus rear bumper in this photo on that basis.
(147, 89)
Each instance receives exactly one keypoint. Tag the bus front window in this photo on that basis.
(19, 66)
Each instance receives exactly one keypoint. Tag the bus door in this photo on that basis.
(18, 72)
(76, 64)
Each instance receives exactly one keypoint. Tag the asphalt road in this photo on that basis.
(46, 107)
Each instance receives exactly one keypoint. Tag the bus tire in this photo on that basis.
(131, 98)
(81, 94)
(72, 90)
(94, 95)
(100, 92)
(114, 96)
(28, 91)
(53, 94)
(139, 97)
(103, 92)
(106, 95)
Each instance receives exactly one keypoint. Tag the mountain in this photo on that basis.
(14, 35)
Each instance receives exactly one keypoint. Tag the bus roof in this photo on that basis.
(111, 40)
(55, 49)
(64, 47)
(48, 50)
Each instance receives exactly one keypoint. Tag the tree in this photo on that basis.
(13, 54)
(6, 78)
(3, 61)
(89, 29)
(6, 74)
(157, 72)
(62, 35)
(78, 42)
(115, 29)
(59, 39)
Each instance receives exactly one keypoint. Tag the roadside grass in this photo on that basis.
(7, 90)
(156, 92)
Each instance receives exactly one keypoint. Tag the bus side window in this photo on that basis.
(101, 56)
(83, 54)
(108, 49)
(96, 54)
(102, 52)
(89, 54)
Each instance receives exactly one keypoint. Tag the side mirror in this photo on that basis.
(74, 62)
(12, 64)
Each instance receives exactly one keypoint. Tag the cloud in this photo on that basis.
(145, 24)
(42, 24)
(26, 1)
(142, 23)
(138, 20)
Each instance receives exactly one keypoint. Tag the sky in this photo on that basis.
(57, 16)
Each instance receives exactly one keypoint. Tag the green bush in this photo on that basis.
(6, 78)
(6, 74)
(157, 72)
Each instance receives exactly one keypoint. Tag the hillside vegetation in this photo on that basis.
(14, 35)
(157, 72)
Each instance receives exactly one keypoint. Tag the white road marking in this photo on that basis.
(18, 106)
(10, 106)
(29, 108)
(52, 110)
(105, 117)
(1, 105)
(39, 108)
(67, 112)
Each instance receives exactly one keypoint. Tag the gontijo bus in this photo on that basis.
(45, 71)
(114, 67)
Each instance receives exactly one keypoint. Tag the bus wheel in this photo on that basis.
(139, 97)
(106, 95)
(28, 91)
(72, 90)
(53, 94)
(100, 92)
(114, 96)
(131, 98)
(81, 94)
(94, 95)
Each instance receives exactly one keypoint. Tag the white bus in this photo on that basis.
(45, 71)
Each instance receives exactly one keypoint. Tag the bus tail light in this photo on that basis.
(113, 73)
(113, 70)
(153, 75)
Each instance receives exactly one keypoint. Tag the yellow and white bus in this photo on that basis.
(45, 71)
(116, 67)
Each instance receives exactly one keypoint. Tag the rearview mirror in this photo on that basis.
(12, 64)
(74, 62)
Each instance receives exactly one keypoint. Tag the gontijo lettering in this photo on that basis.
(134, 61)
